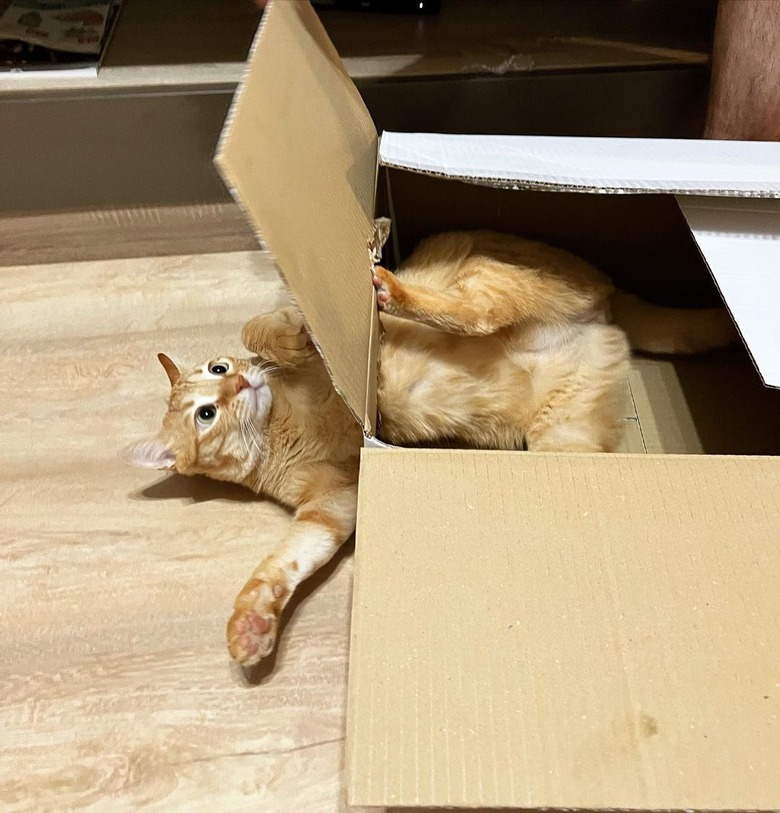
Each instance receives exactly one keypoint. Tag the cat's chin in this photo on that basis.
(258, 396)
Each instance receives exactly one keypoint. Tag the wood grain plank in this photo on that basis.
(116, 691)
(65, 237)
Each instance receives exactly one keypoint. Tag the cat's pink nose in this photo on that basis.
(241, 384)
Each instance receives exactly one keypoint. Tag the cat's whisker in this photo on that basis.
(268, 367)
(251, 431)
(244, 441)
(243, 438)
(255, 439)
(258, 443)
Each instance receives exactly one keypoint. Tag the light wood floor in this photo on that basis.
(116, 692)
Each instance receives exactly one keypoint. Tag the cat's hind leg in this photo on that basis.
(569, 436)
(584, 411)
(485, 296)
(596, 425)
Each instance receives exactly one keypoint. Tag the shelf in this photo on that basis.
(144, 131)
(204, 43)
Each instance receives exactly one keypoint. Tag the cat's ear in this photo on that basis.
(151, 454)
(170, 367)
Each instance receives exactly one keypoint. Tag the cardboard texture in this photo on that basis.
(299, 156)
(616, 652)
(713, 404)
(540, 630)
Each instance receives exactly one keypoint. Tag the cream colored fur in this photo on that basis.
(498, 342)
(488, 340)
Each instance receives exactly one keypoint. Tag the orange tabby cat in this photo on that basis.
(488, 340)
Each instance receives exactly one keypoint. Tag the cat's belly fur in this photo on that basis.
(490, 391)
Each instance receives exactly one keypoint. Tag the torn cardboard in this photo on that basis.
(567, 631)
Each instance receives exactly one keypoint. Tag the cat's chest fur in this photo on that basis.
(485, 389)
(489, 387)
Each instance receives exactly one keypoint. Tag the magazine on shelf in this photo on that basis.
(54, 37)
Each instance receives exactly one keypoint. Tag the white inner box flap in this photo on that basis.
(740, 240)
(592, 164)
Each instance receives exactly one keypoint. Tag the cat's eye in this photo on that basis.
(206, 414)
(218, 368)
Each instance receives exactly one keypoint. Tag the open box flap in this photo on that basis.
(299, 155)
(740, 241)
(614, 165)
(565, 631)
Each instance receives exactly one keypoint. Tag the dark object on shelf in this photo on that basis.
(16, 55)
(382, 6)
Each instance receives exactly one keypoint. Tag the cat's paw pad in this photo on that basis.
(251, 636)
(252, 629)
(387, 288)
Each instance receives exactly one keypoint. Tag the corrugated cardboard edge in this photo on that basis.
(570, 185)
(588, 189)
(372, 417)
(228, 123)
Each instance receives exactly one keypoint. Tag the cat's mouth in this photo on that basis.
(256, 393)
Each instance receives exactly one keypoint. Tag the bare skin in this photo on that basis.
(745, 88)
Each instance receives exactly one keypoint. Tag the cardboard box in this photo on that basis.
(541, 630)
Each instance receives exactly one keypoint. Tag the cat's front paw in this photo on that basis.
(388, 289)
(278, 339)
(253, 627)
(251, 636)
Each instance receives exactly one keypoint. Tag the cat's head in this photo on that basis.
(216, 423)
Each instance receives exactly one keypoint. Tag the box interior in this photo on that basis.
(683, 405)
(642, 242)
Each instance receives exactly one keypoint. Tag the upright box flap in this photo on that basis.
(592, 164)
(566, 631)
(740, 241)
(299, 154)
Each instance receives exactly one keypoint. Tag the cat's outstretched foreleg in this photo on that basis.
(279, 337)
(324, 520)
(486, 297)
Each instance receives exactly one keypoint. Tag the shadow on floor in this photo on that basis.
(202, 489)
(196, 489)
